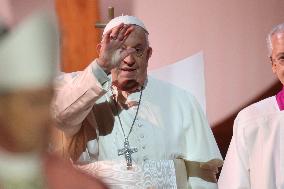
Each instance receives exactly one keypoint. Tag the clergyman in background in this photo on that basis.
(255, 159)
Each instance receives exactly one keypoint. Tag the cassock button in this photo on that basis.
(140, 125)
(145, 158)
(143, 147)
(142, 135)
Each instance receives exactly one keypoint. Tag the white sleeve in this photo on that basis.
(200, 143)
(76, 94)
(235, 171)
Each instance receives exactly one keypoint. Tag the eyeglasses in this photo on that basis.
(278, 60)
(139, 51)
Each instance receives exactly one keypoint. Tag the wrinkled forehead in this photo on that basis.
(278, 35)
(138, 35)
(277, 44)
(278, 39)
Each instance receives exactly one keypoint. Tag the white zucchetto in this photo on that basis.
(126, 20)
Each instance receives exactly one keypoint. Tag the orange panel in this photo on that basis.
(79, 36)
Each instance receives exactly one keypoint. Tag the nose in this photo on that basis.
(129, 60)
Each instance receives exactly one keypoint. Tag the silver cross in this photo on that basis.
(127, 151)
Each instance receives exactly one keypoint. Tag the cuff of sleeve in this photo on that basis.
(181, 175)
(101, 76)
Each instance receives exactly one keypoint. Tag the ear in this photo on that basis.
(149, 53)
(274, 67)
(99, 46)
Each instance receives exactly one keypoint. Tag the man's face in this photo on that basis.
(24, 119)
(132, 71)
(278, 55)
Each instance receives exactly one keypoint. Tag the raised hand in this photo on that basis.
(111, 53)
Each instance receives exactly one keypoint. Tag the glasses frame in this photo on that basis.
(136, 53)
(277, 60)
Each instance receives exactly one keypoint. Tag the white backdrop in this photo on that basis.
(187, 74)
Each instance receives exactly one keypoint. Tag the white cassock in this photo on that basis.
(255, 159)
(169, 125)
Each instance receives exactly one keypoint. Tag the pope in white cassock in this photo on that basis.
(132, 130)
(255, 159)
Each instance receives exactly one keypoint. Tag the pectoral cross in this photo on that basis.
(127, 151)
(110, 16)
